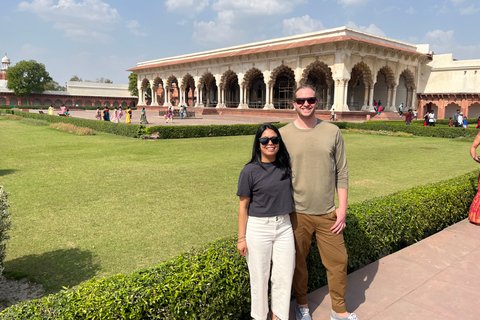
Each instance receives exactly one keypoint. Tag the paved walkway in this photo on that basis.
(155, 120)
(436, 278)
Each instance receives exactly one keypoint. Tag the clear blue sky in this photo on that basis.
(103, 38)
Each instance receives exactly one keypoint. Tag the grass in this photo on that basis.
(92, 206)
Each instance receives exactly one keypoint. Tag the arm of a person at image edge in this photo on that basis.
(341, 211)
(473, 148)
(242, 224)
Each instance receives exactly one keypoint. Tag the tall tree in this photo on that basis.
(76, 78)
(27, 77)
(54, 86)
(132, 84)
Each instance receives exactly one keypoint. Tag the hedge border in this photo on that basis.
(212, 282)
(121, 129)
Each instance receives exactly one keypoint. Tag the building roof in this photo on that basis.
(310, 39)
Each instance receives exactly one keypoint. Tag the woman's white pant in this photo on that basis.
(270, 241)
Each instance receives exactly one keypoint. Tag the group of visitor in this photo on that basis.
(287, 194)
(116, 114)
(378, 106)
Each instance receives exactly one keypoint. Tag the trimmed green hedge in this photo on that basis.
(177, 132)
(5, 225)
(122, 129)
(395, 126)
(212, 283)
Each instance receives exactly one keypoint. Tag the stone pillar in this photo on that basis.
(413, 98)
(329, 95)
(200, 97)
(345, 95)
(268, 101)
(219, 96)
(365, 98)
(154, 94)
(394, 98)
(242, 104)
(389, 100)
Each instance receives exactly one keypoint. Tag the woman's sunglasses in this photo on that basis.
(301, 101)
(265, 140)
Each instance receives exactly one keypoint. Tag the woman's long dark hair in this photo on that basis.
(282, 158)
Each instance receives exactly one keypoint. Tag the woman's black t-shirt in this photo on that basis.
(269, 195)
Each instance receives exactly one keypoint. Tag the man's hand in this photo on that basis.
(340, 224)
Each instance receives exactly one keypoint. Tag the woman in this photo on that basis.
(128, 118)
(425, 117)
(120, 114)
(106, 114)
(474, 212)
(115, 115)
(98, 114)
(265, 232)
(143, 117)
(170, 114)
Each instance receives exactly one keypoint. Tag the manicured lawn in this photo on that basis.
(85, 206)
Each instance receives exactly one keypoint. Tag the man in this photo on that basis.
(319, 167)
(455, 119)
(408, 117)
(400, 109)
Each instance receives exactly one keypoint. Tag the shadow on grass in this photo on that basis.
(54, 270)
(5, 172)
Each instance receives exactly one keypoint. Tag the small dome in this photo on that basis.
(5, 59)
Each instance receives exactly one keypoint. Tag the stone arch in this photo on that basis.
(358, 86)
(88, 103)
(159, 92)
(208, 90)
(282, 82)
(14, 101)
(47, 102)
(405, 88)
(115, 104)
(188, 89)
(58, 103)
(451, 109)
(229, 83)
(79, 103)
(107, 104)
(68, 103)
(319, 75)
(3, 101)
(385, 82)
(172, 90)
(98, 103)
(124, 104)
(474, 110)
(37, 102)
(145, 93)
(255, 88)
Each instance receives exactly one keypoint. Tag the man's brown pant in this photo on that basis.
(332, 251)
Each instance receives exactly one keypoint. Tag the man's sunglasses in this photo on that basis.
(301, 101)
(265, 140)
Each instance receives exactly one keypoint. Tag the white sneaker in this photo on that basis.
(334, 316)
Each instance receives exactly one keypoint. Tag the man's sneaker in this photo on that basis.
(302, 313)
(334, 316)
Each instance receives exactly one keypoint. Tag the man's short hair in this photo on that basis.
(305, 86)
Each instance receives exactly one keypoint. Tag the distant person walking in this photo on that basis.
(120, 114)
(400, 109)
(455, 119)
(98, 114)
(115, 115)
(128, 118)
(106, 114)
(50, 110)
(431, 119)
(408, 117)
(170, 114)
(379, 106)
(143, 117)
(375, 105)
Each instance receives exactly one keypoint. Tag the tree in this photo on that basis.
(27, 77)
(54, 86)
(132, 84)
(76, 78)
(108, 81)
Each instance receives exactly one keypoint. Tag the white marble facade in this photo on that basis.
(349, 68)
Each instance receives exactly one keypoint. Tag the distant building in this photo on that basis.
(78, 94)
(349, 68)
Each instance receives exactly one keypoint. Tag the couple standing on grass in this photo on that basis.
(276, 228)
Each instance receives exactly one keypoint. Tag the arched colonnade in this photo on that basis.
(262, 88)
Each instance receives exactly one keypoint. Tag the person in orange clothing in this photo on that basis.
(474, 212)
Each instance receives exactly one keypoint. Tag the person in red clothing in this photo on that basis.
(474, 212)
(408, 117)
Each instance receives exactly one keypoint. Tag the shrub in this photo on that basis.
(36, 122)
(212, 283)
(177, 132)
(4, 225)
(13, 117)
(68, 127)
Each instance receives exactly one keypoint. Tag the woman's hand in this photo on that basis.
(242, 247)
